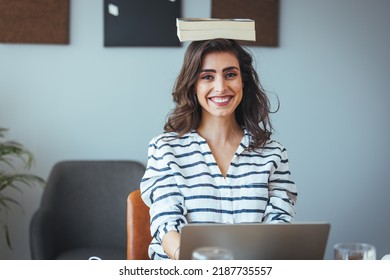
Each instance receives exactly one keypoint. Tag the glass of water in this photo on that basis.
(354, 251)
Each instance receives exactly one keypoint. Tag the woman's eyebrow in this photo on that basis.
(223, 70)
(230, 68)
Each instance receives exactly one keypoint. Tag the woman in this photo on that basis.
(215, 162)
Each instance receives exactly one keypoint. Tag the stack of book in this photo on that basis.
(195, 29)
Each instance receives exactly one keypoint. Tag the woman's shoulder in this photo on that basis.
(171, 139)
(274, 144)
(274, 148)
(166, 136)
(270, 144)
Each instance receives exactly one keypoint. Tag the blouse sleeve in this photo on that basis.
(282, 193)
(161, 193)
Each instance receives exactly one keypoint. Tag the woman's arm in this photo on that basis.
(171, 244)
(282, 192)
(160, 192)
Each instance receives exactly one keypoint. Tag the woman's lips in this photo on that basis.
(221, 100)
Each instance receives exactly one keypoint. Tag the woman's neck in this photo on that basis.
(220, 130)
(223, 138)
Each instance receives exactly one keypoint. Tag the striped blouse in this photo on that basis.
(183, 184)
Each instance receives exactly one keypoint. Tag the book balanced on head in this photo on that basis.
(196, 29)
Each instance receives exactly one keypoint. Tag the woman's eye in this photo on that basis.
(206, 77)
(231, 75)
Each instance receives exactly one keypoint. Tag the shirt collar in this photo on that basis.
(246, 139)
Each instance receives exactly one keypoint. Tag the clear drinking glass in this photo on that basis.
(386, 257)
(212, 253)
(354, 251)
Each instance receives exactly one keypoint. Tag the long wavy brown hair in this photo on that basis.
(253, 111)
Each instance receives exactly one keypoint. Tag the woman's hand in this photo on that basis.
(171, 244)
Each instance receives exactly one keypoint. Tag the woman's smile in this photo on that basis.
(219, 85)
(221, 100)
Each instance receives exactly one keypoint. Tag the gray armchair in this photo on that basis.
(83, 210)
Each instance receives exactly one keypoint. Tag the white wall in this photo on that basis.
(84, 101)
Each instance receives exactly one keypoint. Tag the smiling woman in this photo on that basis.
(219, 86)
(216, 161)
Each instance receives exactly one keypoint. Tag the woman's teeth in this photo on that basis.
(220, 99)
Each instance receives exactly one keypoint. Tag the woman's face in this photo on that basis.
(219, 85)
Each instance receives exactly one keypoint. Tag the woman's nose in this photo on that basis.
(220, 85)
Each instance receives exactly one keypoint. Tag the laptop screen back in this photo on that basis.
(296, 241)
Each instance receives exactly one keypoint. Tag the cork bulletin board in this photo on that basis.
(34, 21)
(264, 12)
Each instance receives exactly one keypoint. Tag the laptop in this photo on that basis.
(257, 241)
